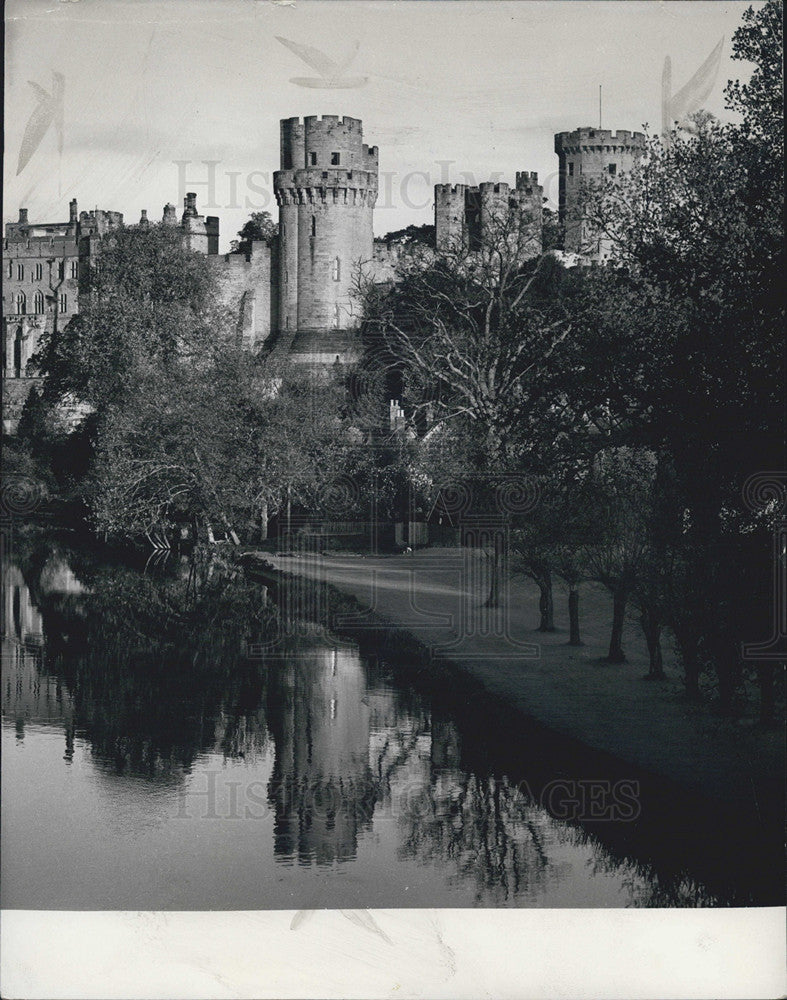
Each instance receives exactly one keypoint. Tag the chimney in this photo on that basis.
(190, 204)
(143, 219)
(169, 218)
(23, 217)
(72, 211)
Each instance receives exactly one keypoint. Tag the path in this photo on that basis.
(436, 595)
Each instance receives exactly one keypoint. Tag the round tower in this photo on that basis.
(589, 154)
(326, 191)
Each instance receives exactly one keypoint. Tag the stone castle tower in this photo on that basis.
(589, 154)
(326, 191)
(470, 217)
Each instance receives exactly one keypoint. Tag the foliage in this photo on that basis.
(260, 227)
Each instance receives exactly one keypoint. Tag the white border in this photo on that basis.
(452, 954)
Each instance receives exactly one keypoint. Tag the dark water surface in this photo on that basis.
(161, 752)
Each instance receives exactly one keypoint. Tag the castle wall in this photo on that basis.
(246, 289)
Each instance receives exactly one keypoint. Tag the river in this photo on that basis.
(169, 744)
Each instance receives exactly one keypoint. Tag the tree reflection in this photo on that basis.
(155, 668)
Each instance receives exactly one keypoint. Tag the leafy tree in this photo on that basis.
(424, 234)
(260, 227)
(687, 343)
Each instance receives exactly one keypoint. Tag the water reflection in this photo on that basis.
(153, 677)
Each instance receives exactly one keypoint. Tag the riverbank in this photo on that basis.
(436, 596)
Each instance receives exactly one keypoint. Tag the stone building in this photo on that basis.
(588, 155)
(471, 217)
(300, 288)
(42, 263)
(326, 190)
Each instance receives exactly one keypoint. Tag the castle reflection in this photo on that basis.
(153, 677)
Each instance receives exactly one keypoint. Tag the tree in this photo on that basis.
(260, 227)
(147, 303)
(687, 339)
(622, 486)
(476, 336)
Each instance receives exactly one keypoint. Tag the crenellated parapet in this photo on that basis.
(334, 186)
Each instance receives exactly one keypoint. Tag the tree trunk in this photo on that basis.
(651, 626)
(689, 653)
(493, 600)
(264, 523)
(725, 656)
(546, 605)
(765, 680)
(619, 598)
(573, 616)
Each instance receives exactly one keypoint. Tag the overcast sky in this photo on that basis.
(443, 88)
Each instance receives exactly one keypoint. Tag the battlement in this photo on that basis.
(44, 247)
(325, 141)
(594, 138)
(493, 187)
(443, 190)
(526, 179)
(329, 185)
(345, 120)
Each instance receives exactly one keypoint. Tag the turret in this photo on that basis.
(588, 155)
(326, 191)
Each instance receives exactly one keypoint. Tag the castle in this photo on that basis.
(299, 287)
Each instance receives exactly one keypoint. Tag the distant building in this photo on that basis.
(588, 155)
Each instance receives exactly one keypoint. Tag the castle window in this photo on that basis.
(63, 303)
(74, 269)
(38, 302)
(61, 269)
(571, 170)
(314, 226)
(20, 272)
(337, 269)
(21, 304)
(335, 159)
(613, 169)
(10, 270)
(38, 272)
(286, 277)
(313, 159)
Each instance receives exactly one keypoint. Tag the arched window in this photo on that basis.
(18, 352)
(38, 302)
(20, 272)
(38, 272)
(314, 225)
(21, 304)
(337, 269)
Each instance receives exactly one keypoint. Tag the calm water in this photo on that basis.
(159, 753)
